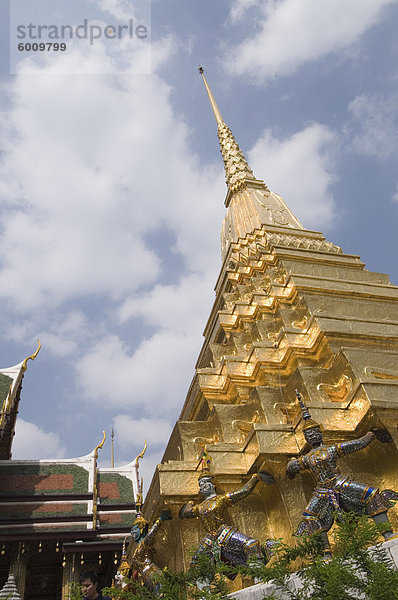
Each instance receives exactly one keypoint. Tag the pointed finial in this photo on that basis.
(309, 422)
(237, 170)
(140, 490)
(32, 357)
(99, 445)
(213, 103)
(205, 462)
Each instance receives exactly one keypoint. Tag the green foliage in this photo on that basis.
(180, 586)
(133, 591)
(355, 571)
(75, 592)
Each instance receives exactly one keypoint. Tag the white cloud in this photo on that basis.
(155, 377)
(89, 170)
(63, 336)
(239, 7)
(373, 129)
(301, 170)
(31, 442)
(294, 32)
(92, 183)
(180, 308)
(121, 9)
(130, 432)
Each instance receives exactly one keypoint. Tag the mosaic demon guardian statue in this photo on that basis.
(224, 541)
(143, 566)
(336, 492)
(123, 570)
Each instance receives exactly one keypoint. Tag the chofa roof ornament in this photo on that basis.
(139, 520)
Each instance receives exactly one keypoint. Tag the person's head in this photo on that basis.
(89, 583)
(314, 437)
(206, 486)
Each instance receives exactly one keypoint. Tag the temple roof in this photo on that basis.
(47, 498)
(10, 390)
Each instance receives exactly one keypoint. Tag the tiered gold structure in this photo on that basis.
(291, 311)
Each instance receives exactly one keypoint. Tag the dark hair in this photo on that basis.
(89, 575)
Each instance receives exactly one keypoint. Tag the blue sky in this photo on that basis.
(112, 191)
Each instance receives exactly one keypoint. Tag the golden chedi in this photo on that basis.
(292, 310)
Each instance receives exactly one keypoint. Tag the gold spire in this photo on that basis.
(250, 204)
(237, 170)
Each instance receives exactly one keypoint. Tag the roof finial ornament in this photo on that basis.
(32, 357)
(99, 445)
(237, 170)
(140, 486)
